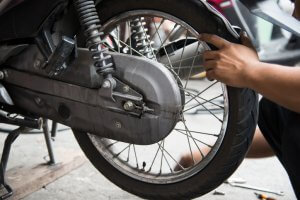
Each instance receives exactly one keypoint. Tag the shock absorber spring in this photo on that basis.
(140, 37)
(90, 21)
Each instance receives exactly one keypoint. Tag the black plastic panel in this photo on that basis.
(25, 19)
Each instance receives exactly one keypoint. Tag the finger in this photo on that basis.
(210, 65)
(246, 40)
(211, 55)
(214, 40)
(210, 75)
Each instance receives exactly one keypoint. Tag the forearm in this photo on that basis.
(278, 83)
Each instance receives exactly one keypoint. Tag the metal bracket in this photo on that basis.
(61, 55)
(56, 57)
(119, 95)
(26, 121)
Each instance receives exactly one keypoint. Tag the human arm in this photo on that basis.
(239, 66)
(278, 83)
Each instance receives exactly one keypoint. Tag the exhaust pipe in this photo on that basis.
(184, 57)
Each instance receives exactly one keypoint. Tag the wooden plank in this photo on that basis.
(25, 180)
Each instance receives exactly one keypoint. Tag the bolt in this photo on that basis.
(37, 63)
(126, 88)
(118, 125)
(106, 84)
(128, 105)
(38, 100)
(2, 75)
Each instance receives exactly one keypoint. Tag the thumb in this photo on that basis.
(246, 40)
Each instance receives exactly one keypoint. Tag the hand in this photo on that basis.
(232, 63)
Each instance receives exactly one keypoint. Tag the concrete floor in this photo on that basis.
(87, 183)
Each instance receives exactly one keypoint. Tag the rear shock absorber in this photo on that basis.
(140, 37)
(90, 21)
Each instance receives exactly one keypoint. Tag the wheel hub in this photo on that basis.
(160, 92)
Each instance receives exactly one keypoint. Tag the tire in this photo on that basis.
(242, 117)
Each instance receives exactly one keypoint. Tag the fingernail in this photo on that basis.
(245, 33)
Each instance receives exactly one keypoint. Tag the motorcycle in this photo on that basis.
(126, 89)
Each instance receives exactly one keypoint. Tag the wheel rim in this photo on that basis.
(204, 101)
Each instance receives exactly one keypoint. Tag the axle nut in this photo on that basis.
(128, 105)
(106, 84)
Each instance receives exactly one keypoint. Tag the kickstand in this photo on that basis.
(48, 141)
(12, 136)
(5, 190)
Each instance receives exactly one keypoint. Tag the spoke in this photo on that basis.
(162, 155)
(193, 63)
(154, 157)
(188, 58)
(111, 144)
(201, 92)
(171, 170)
(171, 157)
(188, 139)
(161, 22)
(201, 103)
(137, 163)
(175, 25)
(188, 131)
(212, 113)
(210, 101)
(128, 153)
(182, 52)
(130, 47)
(165, 158)
(116, 155)
(109, 47)
(210, 134)
(163, 46)
(195, 138)
(187, 67)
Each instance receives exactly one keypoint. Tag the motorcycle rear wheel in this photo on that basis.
(241, 116)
